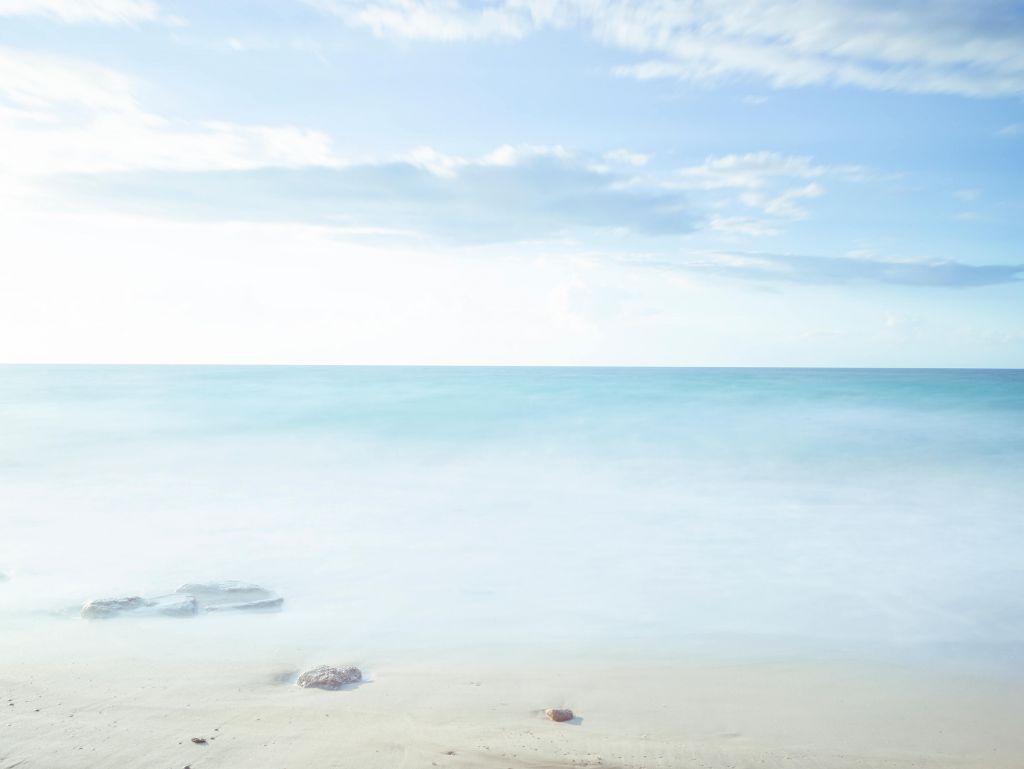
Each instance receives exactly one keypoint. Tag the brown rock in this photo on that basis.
(559, 714)
(327, 677)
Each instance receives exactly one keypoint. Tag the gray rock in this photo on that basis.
(327, 677)
(232, 588)
(265, 604)
(167, 605)
(559, 714)
(231, 596)
(173, 605)
(102, 608)
(187, 601)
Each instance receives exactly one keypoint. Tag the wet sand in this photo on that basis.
(80, 698)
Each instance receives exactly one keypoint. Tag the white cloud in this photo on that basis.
(763, 181)
(969, 194)
(743, 225)
(784, 204)
(1013, 129)
(753, 170)
(800, 268)
(42, 81)
(86, 123)
(69, 115)
(442, 21)
(512, 194)
(970, 49)
(77, 11)
(509, 155)
(626, 157)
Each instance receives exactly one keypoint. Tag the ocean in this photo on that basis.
(414, 511)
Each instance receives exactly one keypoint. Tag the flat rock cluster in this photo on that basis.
(327, 677)
(187, 601)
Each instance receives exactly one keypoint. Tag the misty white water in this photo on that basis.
(411, 511)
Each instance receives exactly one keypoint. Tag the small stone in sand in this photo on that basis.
(327, 677)
(559, 714)
(199, 740)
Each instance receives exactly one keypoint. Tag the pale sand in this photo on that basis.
(73, 700)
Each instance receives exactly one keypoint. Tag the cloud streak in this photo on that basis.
(62, 114)
(79, 11)
(793, 268)
(512, 194)
(769, 182)
(938, 46)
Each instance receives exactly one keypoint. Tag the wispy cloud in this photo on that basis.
(60, 114)
(511, 194)
(769, 182)
(82, 128)
(793, 268)
(753, 170)
(78, 11)
(970, 49)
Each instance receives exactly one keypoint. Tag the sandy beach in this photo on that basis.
(78, 695)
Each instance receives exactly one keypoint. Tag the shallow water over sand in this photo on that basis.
(419, 511)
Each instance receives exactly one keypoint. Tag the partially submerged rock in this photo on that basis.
(174, 605)
(187, 601)
(559, 714)
(240, 590)
(168, 605)
(265, 604)
(231, 595)
(327, 677)
(102, 608)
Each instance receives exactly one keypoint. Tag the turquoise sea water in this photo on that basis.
(544, 508)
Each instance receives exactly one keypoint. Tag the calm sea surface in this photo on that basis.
(544, 508)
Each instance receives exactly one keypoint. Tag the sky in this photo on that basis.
(521, 182)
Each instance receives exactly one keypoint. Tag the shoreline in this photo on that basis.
(72, 702)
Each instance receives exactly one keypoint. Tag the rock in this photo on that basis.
(231, 596)
(168, 605)
(173, 605)
(265, 604)
(199, 740)
(101, 608)
(240, 590)
(559, 714)
(327, 677)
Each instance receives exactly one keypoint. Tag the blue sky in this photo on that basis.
(529, 181)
